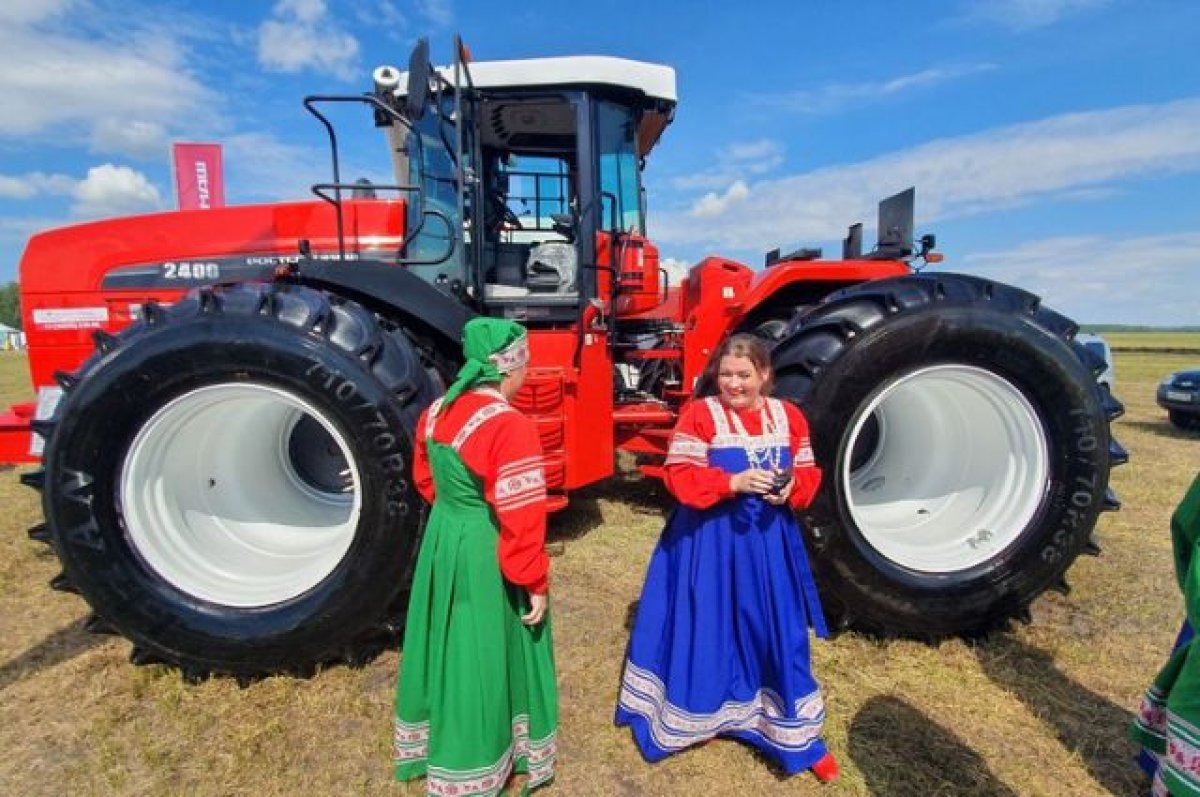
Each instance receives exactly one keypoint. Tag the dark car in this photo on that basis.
(1179, 395)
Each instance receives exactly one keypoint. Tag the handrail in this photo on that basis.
(310, 104)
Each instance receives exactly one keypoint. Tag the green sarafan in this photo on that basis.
(1039, 709)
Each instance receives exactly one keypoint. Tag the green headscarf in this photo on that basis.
(492, 348)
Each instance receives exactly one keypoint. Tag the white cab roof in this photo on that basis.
(653, 80)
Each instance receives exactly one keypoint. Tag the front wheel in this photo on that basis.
(227, 481)
(965, 445)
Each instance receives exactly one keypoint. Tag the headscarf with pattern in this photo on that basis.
(492, 347)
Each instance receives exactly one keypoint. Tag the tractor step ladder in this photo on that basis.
(541, 399)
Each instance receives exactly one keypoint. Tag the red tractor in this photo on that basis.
(226, 397)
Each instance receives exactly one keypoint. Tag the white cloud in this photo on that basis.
(68, 83)
(1002, 167)
(836, 97)
(110, 190)
(384, 16)
(1023, 15)
(306, 11)
(135, 137)
(676, 269)
(713, 204)
(438, 12)
(303, 35)
(734, 162)
(1101, 279)
(260, 167)
(24, 12)
(754, 150)
(28, 186)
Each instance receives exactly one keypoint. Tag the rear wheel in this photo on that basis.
(1182, 420)
(227, 482)
(965, 445)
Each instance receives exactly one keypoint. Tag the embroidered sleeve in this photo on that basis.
(688, 475)
(508, 453)
(804, 464)
(422, 476)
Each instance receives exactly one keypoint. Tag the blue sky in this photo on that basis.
(1054, 144)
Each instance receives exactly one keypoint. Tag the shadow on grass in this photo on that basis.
(641, 495)
(64, 644)
(900, 751)
(1091, 726)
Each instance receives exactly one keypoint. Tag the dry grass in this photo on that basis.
(1040, 711)
(1145, 341)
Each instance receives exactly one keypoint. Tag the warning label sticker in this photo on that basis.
(70, 317)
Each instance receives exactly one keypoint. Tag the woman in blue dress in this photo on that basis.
(720, 644)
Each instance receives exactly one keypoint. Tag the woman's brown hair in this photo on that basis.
(752, 347)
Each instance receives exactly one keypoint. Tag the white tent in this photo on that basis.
(11, 338)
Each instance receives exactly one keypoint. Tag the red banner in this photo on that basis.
(199, 182)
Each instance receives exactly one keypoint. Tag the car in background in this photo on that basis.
(1100, 347)
(1179, 395)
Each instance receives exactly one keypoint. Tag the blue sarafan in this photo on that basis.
(226, 397)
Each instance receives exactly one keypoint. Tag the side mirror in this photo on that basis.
(418, 80)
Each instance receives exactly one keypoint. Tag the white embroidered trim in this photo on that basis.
(1183, 750)
(535, 498)
(717, 410)
(412, 745)
(727, 437)
(687, 448)
(431, 417)
(518, 464)
(532, 480)
(512, 357)
(672, 728)
(804, 455)
(482, 415)
(1152, 715)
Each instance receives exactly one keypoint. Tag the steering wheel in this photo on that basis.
(509, 218)
(500, 216)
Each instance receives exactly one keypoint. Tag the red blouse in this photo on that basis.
(696, 484)
(505, 452)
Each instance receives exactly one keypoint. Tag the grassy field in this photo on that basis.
(1181, 342)
(1040, 710)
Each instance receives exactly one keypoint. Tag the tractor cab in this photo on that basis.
(525, 179)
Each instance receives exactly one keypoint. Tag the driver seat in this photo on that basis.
(551, 268)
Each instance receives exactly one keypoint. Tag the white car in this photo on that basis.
(1100, 346)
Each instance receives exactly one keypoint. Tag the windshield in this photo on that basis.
(436, 252)
(620, 198)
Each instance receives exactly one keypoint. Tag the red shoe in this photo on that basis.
(826, 769)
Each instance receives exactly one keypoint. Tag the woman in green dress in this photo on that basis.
(477, 700)
(1168, 724)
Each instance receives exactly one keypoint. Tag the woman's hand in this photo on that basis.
(753, 481)
(780, 498)
(537, 608)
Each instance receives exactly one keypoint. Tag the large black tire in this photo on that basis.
(316, 400)
(966, 451)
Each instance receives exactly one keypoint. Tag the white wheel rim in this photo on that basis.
(959, 470)
(212, 503)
